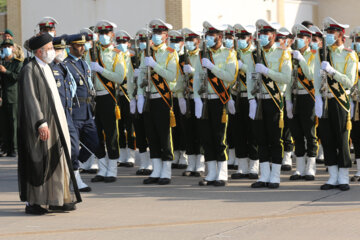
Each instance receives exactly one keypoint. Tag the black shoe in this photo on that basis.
(187, 173)
(320, 161)
(140, 172)
(239, 176)
(232, 167)
(174, 165)
(197, 174)
(205, 182)
(129, 164)
(147, 172)
(344, 187)
(253, 176)
(109, 179)
(164, 181)
(286, 168)
(3, 154)
(11, 154)
(98, 178)
(355, 178)
(88, 171)
(327, 186)
(220, 183)
(273, 185)
(151, 180)
(85, 189)
(35, 210)
(121, 164)
(296, 177)
(182, 166)
(259, 184)
(309, 177)
(64, 208)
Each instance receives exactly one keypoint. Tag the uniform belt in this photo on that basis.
(212, 96)
(330, 95)
(243, 94)
(102, 92)
(267, 96)
(301, 92)
(155, 95)
(84, 100)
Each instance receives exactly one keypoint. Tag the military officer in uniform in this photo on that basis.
(339, 70)
(275, 70)
(109, 68)
(218, 70)
(48, 24)
(19, 53)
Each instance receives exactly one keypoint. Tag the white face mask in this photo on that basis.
(48, 56)
(61, 56)
(52, 34)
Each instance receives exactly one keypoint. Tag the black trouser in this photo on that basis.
(269, 134)
(230, 131)
(192, 132)
(125, 124)
(334, 136)
(139, 125)
(106, 124)
(243, 131)
(213, 132)
(10, 126)
(158, 130)
(303, 125)
(355, 138)
(178, 132)
(286, 136)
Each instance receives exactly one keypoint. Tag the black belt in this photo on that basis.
(85, 100)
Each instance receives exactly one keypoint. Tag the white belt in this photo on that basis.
(155, 95)
(213, 96)
(330, 95)
(267, 96)
(243, 94)
(102, 93)
(301, 92)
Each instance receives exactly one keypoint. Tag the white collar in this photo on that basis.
(40, 62)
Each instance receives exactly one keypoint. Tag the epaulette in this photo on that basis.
(169, 49)
(116, 50)
(313, 51)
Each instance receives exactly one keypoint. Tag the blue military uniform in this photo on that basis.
(81, 106)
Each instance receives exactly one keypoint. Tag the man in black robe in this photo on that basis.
(44, 165)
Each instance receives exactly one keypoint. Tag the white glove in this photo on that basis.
(140, 103)
(289, 109)
(352, 108)
(327, 67)
(136, 72)
(240, 64)
(260, 68)
(198, 107)
(297, 55)
(182, 105)
(318, 106)
(231, 106)
(188, 68)
(150, 62)
(96, 67)
(207, 63)
(132, 106)
(252, 108)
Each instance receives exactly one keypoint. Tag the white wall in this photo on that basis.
(297, 12)
(73, 15)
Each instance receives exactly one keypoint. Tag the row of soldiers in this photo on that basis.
(252, 88)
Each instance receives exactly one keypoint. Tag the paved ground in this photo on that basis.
(183, 210)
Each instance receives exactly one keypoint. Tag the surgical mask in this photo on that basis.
(190, 45)
(52, 34)
(87, 46)
(156, 38)
(122, 47)
(210, 41)
(7, 52)
(300, 43)
(242, 44)
(277, 44)
(229, 43)
(104, 39)
(48, 56)
(142, 45)
(175, 46)
(330, 39)
(314, 45)
(61, 56)
(264, 40)
(357, 46)
(95, 37)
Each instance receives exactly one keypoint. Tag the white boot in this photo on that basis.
(275, 173)
(112, 168)
(143, 160)
(232, 157)
(254, 166)
(123, 155)
(191, 163)
(94, 163)
(287, 159)
(149, 164)
(334, 173)
(243, 165)
(79, 181)
(212, 171)
(131, 154)
(311, 166)
(183, 159)
(103, 166)
(200, 163)
(300, 166)
(166, 169)
(320, 155)
(358, 168)
(157, 163)
(176, 157)
(343, 176)
(222, 171)
(265, 172)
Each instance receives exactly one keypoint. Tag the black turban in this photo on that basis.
(39, 41)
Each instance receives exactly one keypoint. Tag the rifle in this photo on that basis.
(294, 76)
(187, 89)
(354, 91)
(147, 82)
(257, 79)
(136, 64)
(324, 89)
(237, 85)
(203, 91)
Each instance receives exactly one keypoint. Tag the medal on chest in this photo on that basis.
(58, 83)
(81, 82)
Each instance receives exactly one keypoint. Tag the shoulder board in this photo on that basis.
(116, 50)
(313, 51)
(169, 49)
(348, 49)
